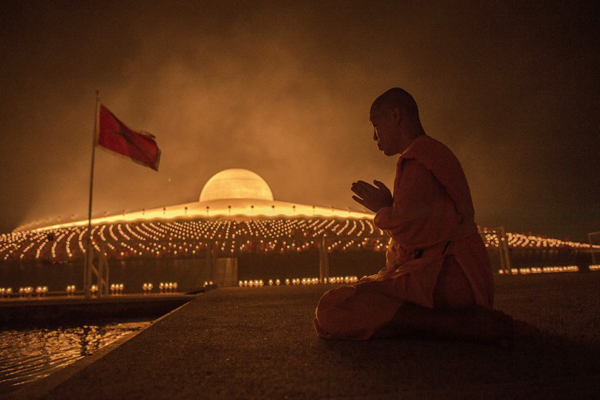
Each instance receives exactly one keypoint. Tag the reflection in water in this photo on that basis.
(27, 355)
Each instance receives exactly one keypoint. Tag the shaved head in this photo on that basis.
(396, 98)
(395, 119)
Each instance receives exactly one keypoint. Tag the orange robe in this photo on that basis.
(430, 221)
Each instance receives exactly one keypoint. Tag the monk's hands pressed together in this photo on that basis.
(372, 197)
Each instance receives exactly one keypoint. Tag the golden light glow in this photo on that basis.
(229, 193)
(229, 228)
(218, 209)
(228, 237)
(541, 270)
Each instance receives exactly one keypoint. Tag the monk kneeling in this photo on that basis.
(438, 279)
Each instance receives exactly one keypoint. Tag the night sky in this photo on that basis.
(283, 88)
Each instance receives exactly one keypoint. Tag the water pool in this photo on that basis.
(30, 354)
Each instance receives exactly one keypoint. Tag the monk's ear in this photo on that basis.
(396, 115)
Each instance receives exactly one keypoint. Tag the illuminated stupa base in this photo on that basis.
(277, 226)
(232, 193)
(228, 238)
(230, 208)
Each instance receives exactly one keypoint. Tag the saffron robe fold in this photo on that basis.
(431, 220)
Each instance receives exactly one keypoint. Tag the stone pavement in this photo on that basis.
(238, 343)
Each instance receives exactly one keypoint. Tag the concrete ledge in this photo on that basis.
(259, 343)
(50, 311)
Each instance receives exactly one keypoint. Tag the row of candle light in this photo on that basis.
(41, 290)
(116, 288)
(167, 287)
(163, 287)
(297, 281)
(171, 287)
(519, 240)
(147, 287)
(184, 238)
(542, 270)
(26, 291)
(176, 238)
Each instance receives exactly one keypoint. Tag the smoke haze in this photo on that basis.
(284, 89)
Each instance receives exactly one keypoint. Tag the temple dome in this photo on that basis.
(236, 183)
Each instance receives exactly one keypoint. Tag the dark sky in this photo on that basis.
(283, 88)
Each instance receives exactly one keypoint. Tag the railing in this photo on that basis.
(593, 241)
(91, 271)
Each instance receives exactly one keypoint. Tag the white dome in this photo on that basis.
(236, 183)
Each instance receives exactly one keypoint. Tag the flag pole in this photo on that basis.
(87, 264)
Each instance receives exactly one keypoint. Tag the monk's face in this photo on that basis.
(386, 131)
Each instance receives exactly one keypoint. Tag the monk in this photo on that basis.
(438, 280)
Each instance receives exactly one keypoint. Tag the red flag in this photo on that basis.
(138, 146)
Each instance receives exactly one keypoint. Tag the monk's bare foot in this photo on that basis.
(474, 324)
(502, 330)
(524, 329)
(488, 326)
